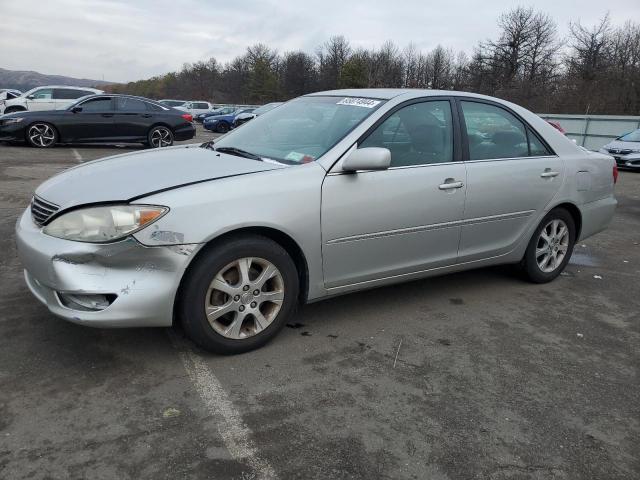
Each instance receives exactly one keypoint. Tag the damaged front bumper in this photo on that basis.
(120, 284)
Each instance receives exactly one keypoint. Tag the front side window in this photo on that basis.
(301, 130)
(43, 94)
(418, 134)
(96, 105)
(495, 133)
(125, 104)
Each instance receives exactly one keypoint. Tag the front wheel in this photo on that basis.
(42, 135)
(551, 247)
(159, 137)
(238, 295)
(223, 127)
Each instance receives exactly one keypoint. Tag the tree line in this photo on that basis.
(594, 69)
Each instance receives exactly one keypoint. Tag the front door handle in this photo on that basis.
(448, 185)
(548, 173)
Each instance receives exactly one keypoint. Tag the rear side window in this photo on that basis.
(495, 133)
(124, 104)
(69, 93)
(96, 105)
(418, 134)
(200, 106)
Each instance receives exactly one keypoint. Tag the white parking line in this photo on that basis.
(76, 154)
(235, 434)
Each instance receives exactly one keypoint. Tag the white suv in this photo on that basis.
(46, 98)
(195, 107)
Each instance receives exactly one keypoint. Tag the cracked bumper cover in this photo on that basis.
(145, 279)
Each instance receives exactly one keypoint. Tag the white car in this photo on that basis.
(195, 107)
(54, 97)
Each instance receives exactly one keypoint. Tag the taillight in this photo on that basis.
(615, 173)
(187, 116)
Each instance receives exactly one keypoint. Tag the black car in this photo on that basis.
(100, 119)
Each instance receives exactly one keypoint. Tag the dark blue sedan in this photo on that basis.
(223, 123)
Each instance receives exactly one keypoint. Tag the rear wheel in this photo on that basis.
(42, 135)
(238, 295)
(222, 127)
(159, 137)
(550, 247)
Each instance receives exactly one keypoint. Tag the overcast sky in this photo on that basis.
(129, 40)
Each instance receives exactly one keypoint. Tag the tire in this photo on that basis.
(222, 127)
(160, 136)
(41, 135)
(220, 316)
(547, 255)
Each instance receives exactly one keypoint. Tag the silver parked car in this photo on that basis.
(625, 150)
(329, 193)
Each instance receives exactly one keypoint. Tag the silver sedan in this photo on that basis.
(330, 193)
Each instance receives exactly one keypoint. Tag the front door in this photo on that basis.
(94, 122)
(403, 220)
(40, 100)
(511, 176)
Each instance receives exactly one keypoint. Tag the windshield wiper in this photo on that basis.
(238, 152)
(208, 145)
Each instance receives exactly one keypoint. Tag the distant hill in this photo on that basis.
(24, 80)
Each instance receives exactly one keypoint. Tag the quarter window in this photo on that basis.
(97, 105)
(418, 134)
(494, 133)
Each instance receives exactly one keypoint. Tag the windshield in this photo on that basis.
(631, 137)
(302, 130)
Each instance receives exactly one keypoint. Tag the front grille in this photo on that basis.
(41, 211)
(618, 151)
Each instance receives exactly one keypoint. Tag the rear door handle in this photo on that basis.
(450, 185)
(548, 173)
(107, 115)
(146, 115)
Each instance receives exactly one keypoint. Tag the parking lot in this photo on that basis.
(472, 375)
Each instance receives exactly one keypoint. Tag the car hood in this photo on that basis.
(133, 175)
(37, 113)
(621, 145)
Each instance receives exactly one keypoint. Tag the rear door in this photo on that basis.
(512, 176)
(131, 119)
(41, 99)
(94, 122)
(404, 220)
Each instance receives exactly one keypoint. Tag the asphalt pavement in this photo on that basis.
(471, 375)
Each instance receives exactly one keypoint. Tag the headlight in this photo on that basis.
(104, 224)
(8, 121)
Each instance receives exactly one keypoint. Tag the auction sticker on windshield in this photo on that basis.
(359, 102)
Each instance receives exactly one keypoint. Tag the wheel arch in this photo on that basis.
(15, 108)
(278, 236)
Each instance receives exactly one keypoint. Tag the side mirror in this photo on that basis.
(31, 97)
(76, 109)
(369, 158)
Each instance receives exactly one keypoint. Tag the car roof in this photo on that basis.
(123, 95)
(389, 93)
(68, 86)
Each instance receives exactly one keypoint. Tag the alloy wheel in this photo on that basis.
(41, 135)
(552, 245)
(244, 297)
(161, 137)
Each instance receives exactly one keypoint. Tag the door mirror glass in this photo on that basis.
(370, 158)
